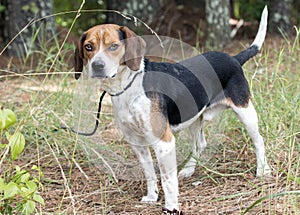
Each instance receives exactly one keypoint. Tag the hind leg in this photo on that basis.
(198, 139)
(199, 143)
(248, 117)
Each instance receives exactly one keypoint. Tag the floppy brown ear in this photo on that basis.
(79, 56)
(134, 48)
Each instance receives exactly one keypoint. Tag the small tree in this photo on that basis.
(218, 28)
(280, 15)
(148, 9)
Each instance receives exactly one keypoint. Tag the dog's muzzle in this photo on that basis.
(98, 69)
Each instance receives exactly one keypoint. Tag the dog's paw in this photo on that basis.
(150, 199)
(263, 171)
(186, 172)
(173, 212)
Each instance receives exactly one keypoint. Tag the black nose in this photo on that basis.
(98, 65)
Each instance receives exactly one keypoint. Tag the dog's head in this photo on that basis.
(106, 47)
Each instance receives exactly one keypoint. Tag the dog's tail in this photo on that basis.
(245, 55)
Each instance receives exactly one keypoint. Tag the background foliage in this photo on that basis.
(248, 10)
(90, 18)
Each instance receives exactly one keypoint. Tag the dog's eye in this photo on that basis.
(113, 47)
(88, 47)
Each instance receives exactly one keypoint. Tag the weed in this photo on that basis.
(18, 188)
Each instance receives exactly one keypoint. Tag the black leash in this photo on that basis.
(97, 120)
(127, 86)
(99, 109)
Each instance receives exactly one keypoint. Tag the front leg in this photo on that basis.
(144, 156)
(166, 155)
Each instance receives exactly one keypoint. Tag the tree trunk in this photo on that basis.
(280, 14)
(140, 8)
(218, 28)
(17, 15)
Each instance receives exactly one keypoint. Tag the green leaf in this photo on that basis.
(7, 135)
(2, 146)
(25, 192)
(21, 175)
(29, 207)
(31, 186)
(34, 167)
(10, 190)
(16, 143)
(26, 7)
(18, 169)
(34, 8)
(2, 8)
(7, 119)
(25, 177)
(38, 199)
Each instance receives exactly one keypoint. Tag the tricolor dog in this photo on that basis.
(152, 100)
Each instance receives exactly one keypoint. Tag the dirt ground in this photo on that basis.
(97, 195)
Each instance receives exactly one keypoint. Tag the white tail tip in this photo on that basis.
(262, 30)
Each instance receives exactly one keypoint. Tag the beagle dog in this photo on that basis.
(152, 100)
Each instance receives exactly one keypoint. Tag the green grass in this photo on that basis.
(274, 81)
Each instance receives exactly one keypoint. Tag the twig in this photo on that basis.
(106, 164)
(63, 175)
(81, 170)
(222, 174)
(66, 37)
(4, 155)
(23, 29)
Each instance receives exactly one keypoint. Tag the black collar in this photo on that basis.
(127, 86)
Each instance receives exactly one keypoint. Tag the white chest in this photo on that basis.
(132, 112)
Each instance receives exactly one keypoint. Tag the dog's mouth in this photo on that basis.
(99, 76)
(104, 74)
